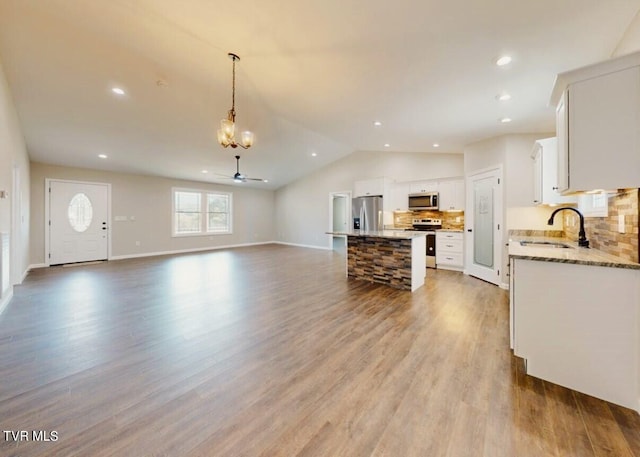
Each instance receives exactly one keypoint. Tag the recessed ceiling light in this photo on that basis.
(436, 145)
(265, 180)
(503, 97)
(387, 145)
(313, 154)
(102, 156)
(504, 60)
(377, 123)
(117, 90)
(205, 171)
(505, 120)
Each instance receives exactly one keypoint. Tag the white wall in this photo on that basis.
(148, 198)
(13, 156)
(513, 152)
(303, 209)
(630, 41)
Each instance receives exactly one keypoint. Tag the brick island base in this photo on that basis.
(397, 262)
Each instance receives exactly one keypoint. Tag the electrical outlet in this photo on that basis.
(620, 223)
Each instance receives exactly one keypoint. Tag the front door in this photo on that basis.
(78, 222)
(483, 223)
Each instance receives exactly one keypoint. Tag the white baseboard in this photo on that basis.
(185, 251)
(310, 246)
(24, 275)
(504, 286)
(5, 301)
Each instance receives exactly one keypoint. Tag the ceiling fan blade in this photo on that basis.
(239, 177)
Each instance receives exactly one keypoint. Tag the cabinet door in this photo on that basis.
(604, 126)
(451, 195)
(562, 134)
(368, 187)
(420, 187)
(399, 196)
(537, 173)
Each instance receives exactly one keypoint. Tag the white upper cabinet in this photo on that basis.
(598, 126)
(399, 196)
(451, 194)
(545, 173)
(369, 187)
(420, 187)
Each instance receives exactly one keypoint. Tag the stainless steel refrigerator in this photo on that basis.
(367, 213)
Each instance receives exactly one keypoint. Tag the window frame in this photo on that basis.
(204, 213)
(589, 205)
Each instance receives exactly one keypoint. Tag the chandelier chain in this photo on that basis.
(233, 87)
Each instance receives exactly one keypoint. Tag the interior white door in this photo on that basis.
(78, 222)
(483, 223)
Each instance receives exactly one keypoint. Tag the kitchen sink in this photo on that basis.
(544, 244)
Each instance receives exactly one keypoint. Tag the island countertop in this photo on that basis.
(395, 234)
(572, 254)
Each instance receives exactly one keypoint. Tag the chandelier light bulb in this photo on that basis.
(247, 139)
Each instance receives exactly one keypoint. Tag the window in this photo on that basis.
(80, 212)
(197, 212)
(594, 204)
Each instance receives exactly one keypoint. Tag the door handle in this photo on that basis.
(469, 230)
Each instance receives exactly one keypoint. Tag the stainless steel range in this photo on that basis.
(430, 226)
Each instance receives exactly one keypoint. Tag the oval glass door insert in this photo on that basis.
(80, 212)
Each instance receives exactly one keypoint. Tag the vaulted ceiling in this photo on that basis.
(313, 77)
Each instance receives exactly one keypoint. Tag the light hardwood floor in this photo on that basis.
(270, 350)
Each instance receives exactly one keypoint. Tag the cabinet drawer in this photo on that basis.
(448, 236)
(449, 259)
(452, 246)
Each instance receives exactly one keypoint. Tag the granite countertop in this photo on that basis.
(573, 254)
(396, 234)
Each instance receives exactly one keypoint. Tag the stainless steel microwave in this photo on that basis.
(426, 200)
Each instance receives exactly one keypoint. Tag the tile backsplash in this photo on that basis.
(602, 232)
(450, 220)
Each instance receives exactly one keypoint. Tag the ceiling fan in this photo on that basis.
(239, 177)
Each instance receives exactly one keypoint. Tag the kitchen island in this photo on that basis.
(392, 257)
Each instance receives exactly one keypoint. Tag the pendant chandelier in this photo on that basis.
(226, 133)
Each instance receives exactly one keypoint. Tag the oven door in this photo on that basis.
(431, 249)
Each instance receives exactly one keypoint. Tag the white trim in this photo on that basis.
(504, 285)
(347, 195)
(16, 225)
(24, 276)
(47, 202)
(204, 194)
(33, 266)
(470, 269)
(185, 251)
(310, 246)
(5, 301)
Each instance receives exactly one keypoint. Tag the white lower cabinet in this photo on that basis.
(449, 250)
(578, 326)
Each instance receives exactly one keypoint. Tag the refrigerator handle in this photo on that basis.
(363, 218)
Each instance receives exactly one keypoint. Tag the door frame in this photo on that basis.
(498, 228)
(47, 202)
(15, 275)
(347, 195)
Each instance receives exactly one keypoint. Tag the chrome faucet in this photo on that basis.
(582, 237)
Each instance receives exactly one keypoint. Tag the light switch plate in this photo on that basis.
(620, 223)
